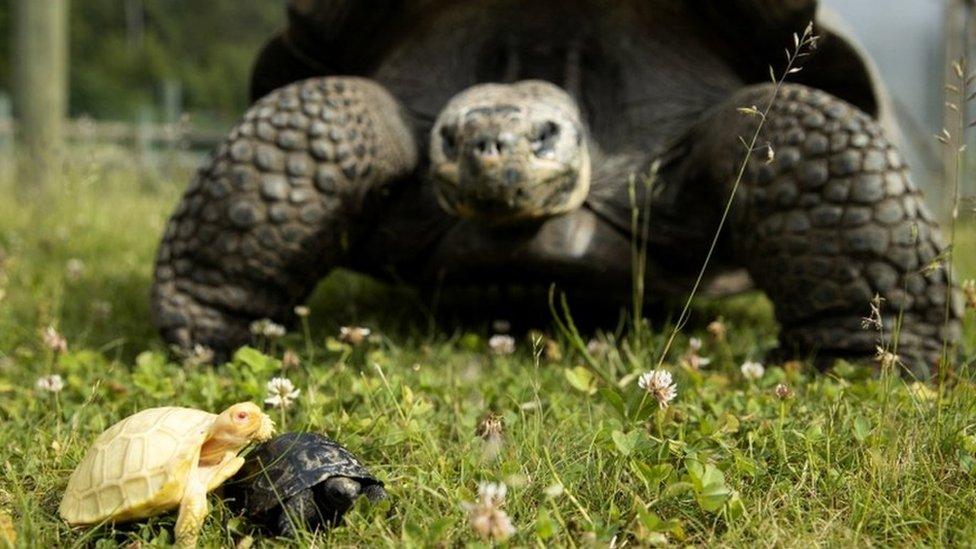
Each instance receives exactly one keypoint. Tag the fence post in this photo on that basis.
(6, 135)
(40, 82)
(143, 137)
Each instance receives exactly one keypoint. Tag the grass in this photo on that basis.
(851, 460)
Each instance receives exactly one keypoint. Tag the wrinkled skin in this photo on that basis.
(496, 142)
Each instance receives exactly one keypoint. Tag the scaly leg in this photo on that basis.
(193, 511)
(278, 206)
(830, 222)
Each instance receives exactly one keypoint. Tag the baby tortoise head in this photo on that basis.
(233, 429)
(506, 153)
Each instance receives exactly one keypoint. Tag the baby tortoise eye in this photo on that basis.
(449, 141)
(544, 139)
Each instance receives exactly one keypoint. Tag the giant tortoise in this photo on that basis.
(446, 143)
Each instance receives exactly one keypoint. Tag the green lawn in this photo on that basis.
(851, 460)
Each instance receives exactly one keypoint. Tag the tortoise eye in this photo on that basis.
(448, 141)
(544, 140)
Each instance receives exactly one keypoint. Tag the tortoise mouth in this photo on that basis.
(513, 193)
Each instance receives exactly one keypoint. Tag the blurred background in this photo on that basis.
(170, 76)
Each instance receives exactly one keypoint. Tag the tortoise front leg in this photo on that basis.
(276, 208)
(193, 511)
(831, 221)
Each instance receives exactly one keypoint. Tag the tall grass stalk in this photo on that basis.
(802, 46)
(640, 229)
(956, 139)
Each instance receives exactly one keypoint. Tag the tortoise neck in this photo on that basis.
(217, 445)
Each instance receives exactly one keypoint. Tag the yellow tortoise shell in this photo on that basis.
(138, 467)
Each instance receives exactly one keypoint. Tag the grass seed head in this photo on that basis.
(491, 426)
(969, 290)
(886, 358)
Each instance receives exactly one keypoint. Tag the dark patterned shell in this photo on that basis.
(747, 34)
(285, 465)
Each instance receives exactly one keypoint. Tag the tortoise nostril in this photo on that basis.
(488, 146)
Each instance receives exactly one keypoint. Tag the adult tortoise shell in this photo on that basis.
(493, 142)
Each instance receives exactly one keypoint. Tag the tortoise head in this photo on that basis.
(234, 428)
(505, 153)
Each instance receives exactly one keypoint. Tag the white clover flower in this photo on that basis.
(281, 393)
(783, 392)
(74, 269)
(596, 347)
(53, 340)
(302, 311)
(486, 516)
(691, 358)
(752, 370)
(554, 490)
(101, 309)
(199, 355)
(354, 335)
(267, 328)
(290, 360)
(51, 384)
(696, 361)
(660, 385)
(501, 344)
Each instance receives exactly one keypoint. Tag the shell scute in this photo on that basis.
(136, 466)
(281, 467)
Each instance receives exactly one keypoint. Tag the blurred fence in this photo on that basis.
(138, 135)
(152, 143)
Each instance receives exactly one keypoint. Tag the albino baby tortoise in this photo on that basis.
(159, 459)
(300, 481)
